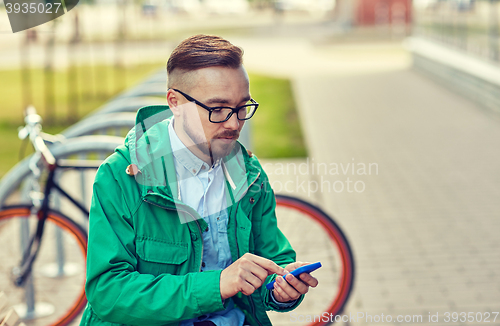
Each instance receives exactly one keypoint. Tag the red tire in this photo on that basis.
(315, 236)
(57, 285)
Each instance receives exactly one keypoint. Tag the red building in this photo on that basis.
(382, 12)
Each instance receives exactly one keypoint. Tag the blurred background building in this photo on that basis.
(457, 41)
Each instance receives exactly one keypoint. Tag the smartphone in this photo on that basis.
(303, 269)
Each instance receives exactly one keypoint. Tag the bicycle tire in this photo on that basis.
(66, 293)
(315, 236)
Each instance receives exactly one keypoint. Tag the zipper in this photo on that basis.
(201, 237)
(252, 304)
(236, 230)
(194, 218)
(236, 221)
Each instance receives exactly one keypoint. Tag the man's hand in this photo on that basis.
(246, 275)
(285, 292)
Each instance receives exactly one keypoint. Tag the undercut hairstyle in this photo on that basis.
(202, 51)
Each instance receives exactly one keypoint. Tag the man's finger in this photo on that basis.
(254, 280)
(247, 288)
(259, 272)
(270, 266)
(309, 279)
(280, 292)
(297, 264)
(297, 284)
(290, 290)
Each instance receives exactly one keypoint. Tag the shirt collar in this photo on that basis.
(183, 155)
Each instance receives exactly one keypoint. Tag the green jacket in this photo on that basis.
(145, 246)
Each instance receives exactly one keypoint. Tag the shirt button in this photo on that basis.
(206, 230)
(194, 171)
(194, 237)
(203, 167)
(203, 264)
(252, 200)
(218, 218)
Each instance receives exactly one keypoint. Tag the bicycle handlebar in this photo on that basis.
(33, 130)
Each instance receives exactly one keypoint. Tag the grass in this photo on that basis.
(74, 93)
(92, 87)
(275, 127)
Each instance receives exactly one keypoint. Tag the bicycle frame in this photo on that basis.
(22, 273)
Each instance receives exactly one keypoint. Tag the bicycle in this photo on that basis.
(326, 243)
(53, 269)
(90, 145)
(315, 236)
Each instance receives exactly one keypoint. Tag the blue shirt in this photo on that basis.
(203, 188)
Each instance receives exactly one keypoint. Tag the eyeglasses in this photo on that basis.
(222, 113)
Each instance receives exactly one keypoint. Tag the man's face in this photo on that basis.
(213, 86)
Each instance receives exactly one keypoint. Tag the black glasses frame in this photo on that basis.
(211, 109)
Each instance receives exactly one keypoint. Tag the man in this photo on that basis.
(182, 223)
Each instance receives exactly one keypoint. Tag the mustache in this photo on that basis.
(228, 134)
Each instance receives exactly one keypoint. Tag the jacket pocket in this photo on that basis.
(158, 256)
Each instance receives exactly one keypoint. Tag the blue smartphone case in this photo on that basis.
(303, 269)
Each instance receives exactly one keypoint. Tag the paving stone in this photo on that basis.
(426, 228)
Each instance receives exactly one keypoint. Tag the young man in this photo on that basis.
(182, 223)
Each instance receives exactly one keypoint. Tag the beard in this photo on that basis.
(216, 148)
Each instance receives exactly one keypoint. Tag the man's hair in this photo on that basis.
(202, 51)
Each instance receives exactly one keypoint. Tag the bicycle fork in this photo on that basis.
(32, 246)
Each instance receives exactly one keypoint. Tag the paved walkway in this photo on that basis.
(424, 224)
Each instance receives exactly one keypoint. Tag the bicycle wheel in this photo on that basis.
(54, 293)
(316, 237)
